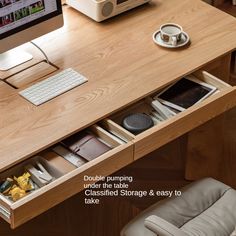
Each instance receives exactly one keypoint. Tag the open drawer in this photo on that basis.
(68, 180)
(172, 128)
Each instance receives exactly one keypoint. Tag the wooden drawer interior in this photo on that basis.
(173, 127)
(144, 107)
(65, 176)
(118, 131)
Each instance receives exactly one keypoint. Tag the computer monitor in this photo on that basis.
(22, 21)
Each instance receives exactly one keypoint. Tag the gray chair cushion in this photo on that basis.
(218, 219)
(206, 207)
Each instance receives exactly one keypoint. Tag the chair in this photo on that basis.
(205, 208)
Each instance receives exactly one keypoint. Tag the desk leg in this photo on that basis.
(206, 153)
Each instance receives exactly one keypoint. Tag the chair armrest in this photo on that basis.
(161, 227)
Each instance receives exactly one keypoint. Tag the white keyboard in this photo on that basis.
(53, 86)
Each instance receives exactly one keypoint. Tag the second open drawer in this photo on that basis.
(65, 185)
(183, 122)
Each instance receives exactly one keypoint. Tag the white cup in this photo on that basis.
(171, 33)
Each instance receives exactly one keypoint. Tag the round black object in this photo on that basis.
(137, 123)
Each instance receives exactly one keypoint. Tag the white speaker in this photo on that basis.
(100, 10)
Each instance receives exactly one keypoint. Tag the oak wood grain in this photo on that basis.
(138, 68)
(30, 75)
(90, 47)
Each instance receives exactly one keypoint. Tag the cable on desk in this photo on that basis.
(41, 50)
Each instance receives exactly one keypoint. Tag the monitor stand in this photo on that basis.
(13, 58)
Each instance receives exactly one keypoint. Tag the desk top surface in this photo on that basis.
(122, 64)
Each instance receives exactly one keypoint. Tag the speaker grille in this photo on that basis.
(107, 9)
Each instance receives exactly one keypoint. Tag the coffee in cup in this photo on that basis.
(171, 33)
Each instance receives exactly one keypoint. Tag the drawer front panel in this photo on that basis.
(5, 213)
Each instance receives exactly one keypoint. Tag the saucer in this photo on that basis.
(185, 39)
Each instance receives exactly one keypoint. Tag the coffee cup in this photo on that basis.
(171, 33)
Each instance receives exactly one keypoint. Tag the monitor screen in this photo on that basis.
(17, 15)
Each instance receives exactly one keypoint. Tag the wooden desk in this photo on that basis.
(123, 66)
